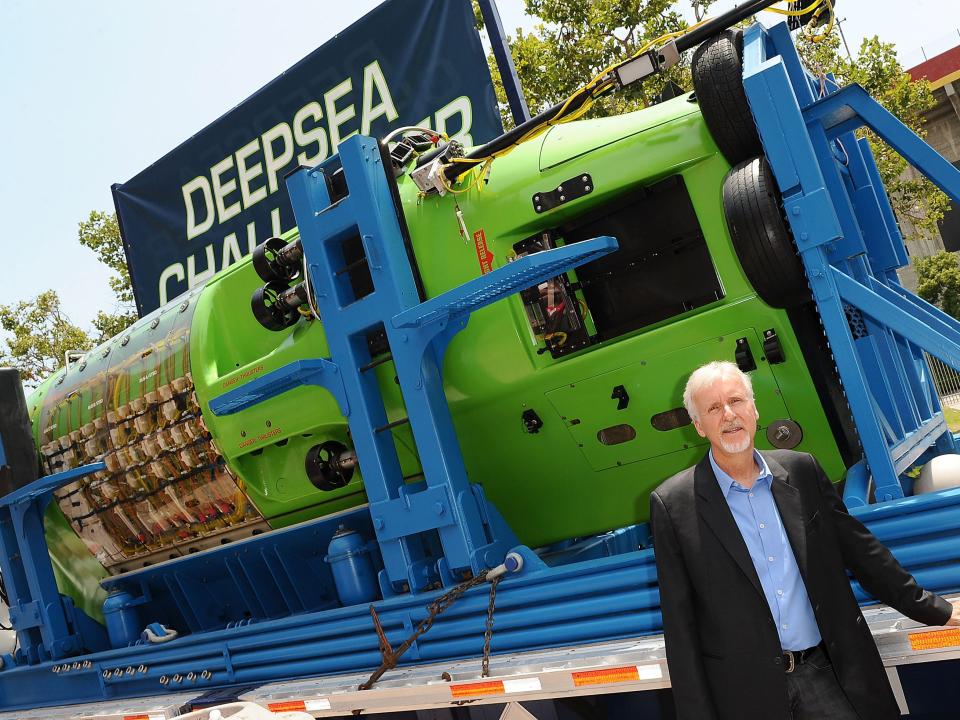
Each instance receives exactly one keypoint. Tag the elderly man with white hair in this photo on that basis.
(752, 551)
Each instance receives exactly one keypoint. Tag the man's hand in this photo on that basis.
(955, 616)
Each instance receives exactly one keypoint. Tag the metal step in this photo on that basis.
(632, 665)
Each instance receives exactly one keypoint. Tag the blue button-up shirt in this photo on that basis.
(756, 514)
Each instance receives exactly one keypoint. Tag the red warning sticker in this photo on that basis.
(484, 256)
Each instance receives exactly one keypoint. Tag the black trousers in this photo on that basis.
(814, 693)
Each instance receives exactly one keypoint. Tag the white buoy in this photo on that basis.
(941, 473)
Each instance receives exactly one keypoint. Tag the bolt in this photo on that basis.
(142, 669)
(192, 676)
(438, 508)
(378, 523)
(130, 670)
(56, 669)
(795, 210)
(178, 678)
(107, 674)
(560, 188)
(563, 197)
(539, 208)
(783, 432)
(164, 680)
(76, 665)
(118, 672)
(206, 675)
(585, 178)
(586, 188)
(87, 664)
(805, 236)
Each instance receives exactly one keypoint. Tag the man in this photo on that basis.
(759, 618)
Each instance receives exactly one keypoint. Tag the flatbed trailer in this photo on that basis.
(587, 627)
(635, 665)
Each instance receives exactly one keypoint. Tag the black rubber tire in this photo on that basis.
(718, 80)
(761, 238)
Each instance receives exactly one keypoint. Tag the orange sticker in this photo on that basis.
(607, 675)
(934, 639)
(484, 256)
(491, 687)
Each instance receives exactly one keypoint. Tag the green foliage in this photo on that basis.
(39, 335)
(915, 199)
(938, 281)
(577, 40)
(38, 332)
(101, 233)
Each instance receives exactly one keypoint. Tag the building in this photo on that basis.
(943, 134)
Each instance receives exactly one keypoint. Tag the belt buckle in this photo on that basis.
(791, 661)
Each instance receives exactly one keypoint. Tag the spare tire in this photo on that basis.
(763, 243)
(718, 80)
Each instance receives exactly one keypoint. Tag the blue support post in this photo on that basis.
(501, 53)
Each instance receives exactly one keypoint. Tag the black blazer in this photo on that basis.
(723, 650)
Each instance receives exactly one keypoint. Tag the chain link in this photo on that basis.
(488, 632)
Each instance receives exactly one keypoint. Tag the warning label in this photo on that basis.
(484, 256)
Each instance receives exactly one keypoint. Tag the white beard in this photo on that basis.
(732, 448)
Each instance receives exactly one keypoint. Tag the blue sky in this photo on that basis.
(92, 93)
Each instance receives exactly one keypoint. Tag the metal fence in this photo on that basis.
(947, 382)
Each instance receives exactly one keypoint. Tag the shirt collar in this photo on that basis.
(726, 482)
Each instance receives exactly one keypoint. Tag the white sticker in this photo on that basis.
(318, 704)
(531, 684)
(649, 672)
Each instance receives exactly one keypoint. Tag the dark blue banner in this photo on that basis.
(207, 203)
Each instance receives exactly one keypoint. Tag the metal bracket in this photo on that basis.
(575, 187)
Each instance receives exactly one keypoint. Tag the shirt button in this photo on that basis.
(780, 592)
(785, 626)
(770, 559)
(751, 494)
(762, 526)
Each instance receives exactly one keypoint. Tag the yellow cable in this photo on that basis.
(795, 13)
(597, 85)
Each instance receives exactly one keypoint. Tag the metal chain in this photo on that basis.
(488, 632)
(434, 609)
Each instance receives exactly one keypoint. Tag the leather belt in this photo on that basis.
(793, 658)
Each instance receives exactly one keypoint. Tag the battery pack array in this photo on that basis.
(165, 485)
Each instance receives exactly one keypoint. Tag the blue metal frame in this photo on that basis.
(48, 626)
(850, 245)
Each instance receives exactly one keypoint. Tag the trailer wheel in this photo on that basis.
(718, 80)
(763, 243)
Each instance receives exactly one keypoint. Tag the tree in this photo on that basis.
(38, 330)
(101, 233)
(938, 281)
(577, 40)
(916, 201)
(40, 333)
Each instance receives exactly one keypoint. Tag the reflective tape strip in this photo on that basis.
(318, 704)
(628, 673)
(934, 639)
(531, 684)
(477, 689)
(144, 717)
(287, 706)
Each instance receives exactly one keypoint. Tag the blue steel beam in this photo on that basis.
(501, 53)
